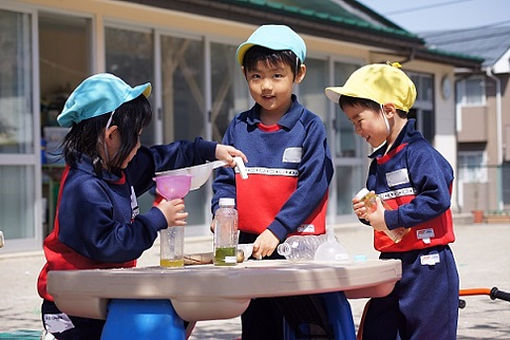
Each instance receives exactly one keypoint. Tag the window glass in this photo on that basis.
(311, 89)
(16, 111)
(471, 91)
(506, 182)
(351, 179)
(230, 94)
(349, 151)
(16, 127)
(130, 56)
(474, 88)
(472, 167)
(16, 212)
(346, 143)
(182, 63)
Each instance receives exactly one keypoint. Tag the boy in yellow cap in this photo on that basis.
(415, 183)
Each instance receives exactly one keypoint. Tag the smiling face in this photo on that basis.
(368, 123)
(271, 87)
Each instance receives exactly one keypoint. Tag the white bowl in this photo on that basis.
(200, 173)
(247, 249)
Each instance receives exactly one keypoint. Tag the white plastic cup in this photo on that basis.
(171, 247)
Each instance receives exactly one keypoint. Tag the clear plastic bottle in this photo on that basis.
(225, 233)
(301, 247)
(369, 198)
(331, 250)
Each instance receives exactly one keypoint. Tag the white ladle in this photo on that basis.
(201, 173)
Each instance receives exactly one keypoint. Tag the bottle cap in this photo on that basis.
(227, 202)
(362, 193)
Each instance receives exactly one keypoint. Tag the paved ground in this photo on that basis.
(480, 250)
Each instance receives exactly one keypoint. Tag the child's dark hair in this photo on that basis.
(130, 118)
(270, 57)
(367, 103)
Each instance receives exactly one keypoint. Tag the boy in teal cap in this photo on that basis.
(97, 222)
(415, 182)
(289, 172)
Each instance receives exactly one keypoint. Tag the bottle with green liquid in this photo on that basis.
(225, 233)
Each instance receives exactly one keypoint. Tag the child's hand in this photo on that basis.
(359, 208)
(265, 244)
(376, 218)
(227, 154)
(173, 211)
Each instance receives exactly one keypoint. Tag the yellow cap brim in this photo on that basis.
(241, 51)
(147, 92)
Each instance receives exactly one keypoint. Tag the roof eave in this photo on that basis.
(400, 45)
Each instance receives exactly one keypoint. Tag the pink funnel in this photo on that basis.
(173, 186)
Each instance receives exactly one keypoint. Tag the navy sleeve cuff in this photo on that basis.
(209, 148)
(391, 219)
(278, 229)
(156, 218)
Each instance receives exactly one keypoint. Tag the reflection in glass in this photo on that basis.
(130, 56)
(16, 111)
(16, 211)
(184, 104)
(346, 143)
(229, 89)
(311, 89)
(349, 180)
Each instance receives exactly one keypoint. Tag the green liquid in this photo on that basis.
(225, 256)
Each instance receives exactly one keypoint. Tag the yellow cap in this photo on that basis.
(380, 83)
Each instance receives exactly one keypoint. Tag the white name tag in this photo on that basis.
(429, 260)
(397, 177)
(57, 323)
(134, 204)
(425, 235)
(292, 155)
(306, 228)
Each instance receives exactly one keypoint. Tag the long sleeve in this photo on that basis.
(175, 155)
(315, 173)
(431, 177)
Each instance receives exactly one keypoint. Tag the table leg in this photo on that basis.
(142, 319)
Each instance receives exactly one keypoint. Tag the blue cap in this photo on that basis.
(97, 95)
(274, 37)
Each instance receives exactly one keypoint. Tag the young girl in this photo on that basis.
(97, 223)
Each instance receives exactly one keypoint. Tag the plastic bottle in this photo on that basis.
(331, 250)
(369, 198)
(301, 247)
(225, 233)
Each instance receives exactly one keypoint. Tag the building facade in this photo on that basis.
(482, 116)
(186, 50)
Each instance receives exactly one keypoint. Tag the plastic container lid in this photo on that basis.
(227, 202)
(362, 193)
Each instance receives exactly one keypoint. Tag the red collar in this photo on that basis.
(268, 128)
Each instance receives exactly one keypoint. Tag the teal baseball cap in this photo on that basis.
(97, 95)
(274, 37)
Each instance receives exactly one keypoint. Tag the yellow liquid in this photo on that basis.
(171, 263)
